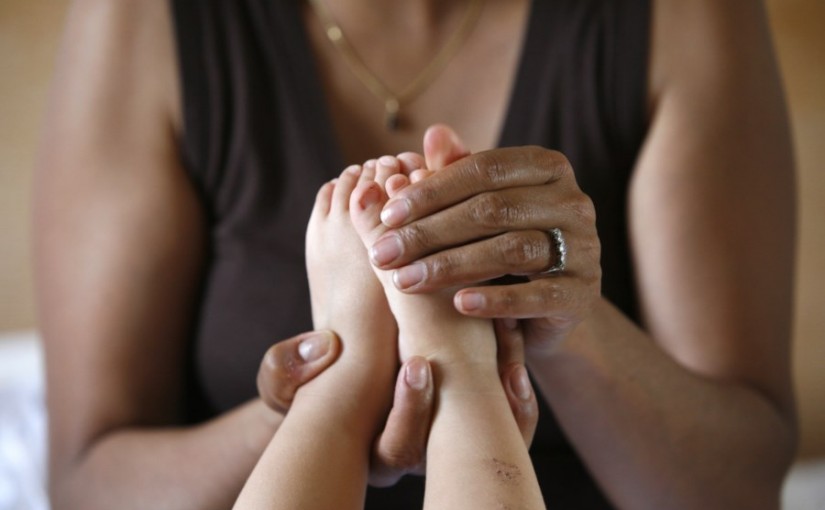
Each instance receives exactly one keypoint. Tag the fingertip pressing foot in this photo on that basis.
(442, 146)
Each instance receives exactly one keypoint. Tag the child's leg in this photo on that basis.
(476, 456)
(319, 457)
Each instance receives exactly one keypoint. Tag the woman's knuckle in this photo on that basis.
(553, 164)
(506, 300)
(490, 210)
(416, 236)
(554, 293)
(581, 206)
(489, 170)
(518, 251)
(444, 266)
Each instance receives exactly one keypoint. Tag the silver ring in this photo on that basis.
(559, 247)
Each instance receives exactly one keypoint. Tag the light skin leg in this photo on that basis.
(329, 430)
(476, 455)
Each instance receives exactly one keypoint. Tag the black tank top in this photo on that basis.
(258, 144)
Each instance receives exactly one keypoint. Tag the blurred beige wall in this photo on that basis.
(28, 40)
(800, 41)
(28, 37)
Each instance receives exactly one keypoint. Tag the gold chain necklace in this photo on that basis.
(394, 100)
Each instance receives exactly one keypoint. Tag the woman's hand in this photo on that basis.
(290, 364)
(489, 215)
(401, 447)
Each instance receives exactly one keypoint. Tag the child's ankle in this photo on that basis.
(464, 378)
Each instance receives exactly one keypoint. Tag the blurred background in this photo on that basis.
(29, 31)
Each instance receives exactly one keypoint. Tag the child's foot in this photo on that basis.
(429, 325)
(346, 297)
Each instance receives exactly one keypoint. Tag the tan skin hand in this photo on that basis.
(401, 446)
(500, 197)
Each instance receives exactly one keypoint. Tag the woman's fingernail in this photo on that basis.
(417, 374)
(386, 250)
(409, 276)
(520, 382)
(314, 347)
(395, 212)
(471, 301)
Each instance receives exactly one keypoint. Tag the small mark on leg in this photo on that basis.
(505, 472)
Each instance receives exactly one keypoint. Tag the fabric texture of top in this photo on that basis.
(258, 144)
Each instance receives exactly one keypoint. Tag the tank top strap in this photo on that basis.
(583, 70)
(249, 89)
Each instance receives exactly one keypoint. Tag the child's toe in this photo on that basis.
(396, 183)
(366, 203)
(343, 187)
(386, 167)
(323, 199)
(368, 174)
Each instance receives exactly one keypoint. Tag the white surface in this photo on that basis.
(805, 487)
(22, 424)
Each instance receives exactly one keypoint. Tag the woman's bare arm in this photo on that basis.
(696, 411)
(119, 238)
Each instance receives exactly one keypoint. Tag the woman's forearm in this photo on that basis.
(652, 431)
(200, 467)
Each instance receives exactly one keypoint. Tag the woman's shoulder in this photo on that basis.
(122, 53)
(697, 42)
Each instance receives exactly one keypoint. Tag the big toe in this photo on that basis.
(365, 206)
(386, 167)
(343, 188)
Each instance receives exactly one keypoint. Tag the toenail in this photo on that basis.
(353, 169)
(386, 250)
(395, 212)
(388, 161)
(409, 276)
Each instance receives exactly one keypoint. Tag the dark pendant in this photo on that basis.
(391, 121)
(392, 110)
